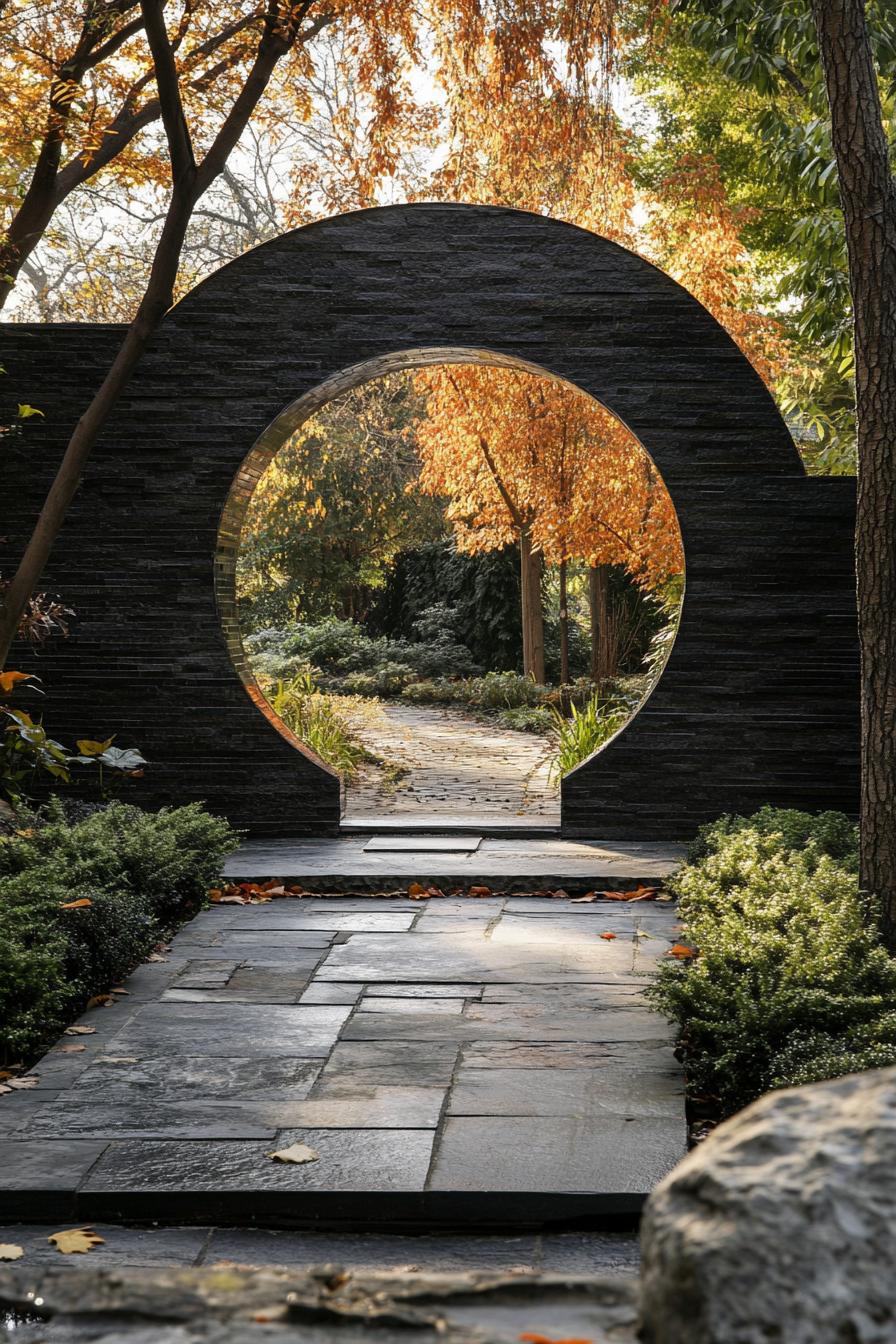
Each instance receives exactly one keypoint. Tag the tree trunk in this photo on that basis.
(530, 601)
(564, 626)
(868, 198)
(598, 603)
(68, 478)
(189, 182)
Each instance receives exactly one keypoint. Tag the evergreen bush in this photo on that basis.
(791, 982)
(139, 871)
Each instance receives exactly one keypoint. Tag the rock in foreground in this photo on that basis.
(782, 1225)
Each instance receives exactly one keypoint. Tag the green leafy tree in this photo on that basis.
(735, 85)
(335, 507)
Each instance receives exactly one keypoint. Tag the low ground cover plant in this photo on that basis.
(586, 727)
(790, 982)
(323, 722)
(86, 892)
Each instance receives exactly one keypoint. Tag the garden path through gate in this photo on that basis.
(759, 700)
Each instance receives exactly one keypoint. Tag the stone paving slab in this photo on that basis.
(126, 1246)
(477, 1065)
(517, 863)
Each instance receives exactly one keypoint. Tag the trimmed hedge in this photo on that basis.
(141, 872)
(791, 983)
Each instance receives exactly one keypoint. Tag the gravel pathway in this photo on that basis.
(456, 765)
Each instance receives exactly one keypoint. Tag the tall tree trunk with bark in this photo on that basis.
(531, 566)
(564, 624)
(189, 182)
(598, 604)
(868, 198)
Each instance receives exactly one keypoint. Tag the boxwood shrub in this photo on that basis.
(791, 983)
(140, 871)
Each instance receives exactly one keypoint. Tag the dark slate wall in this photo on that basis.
(759, 700)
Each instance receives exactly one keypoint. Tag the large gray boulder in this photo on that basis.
(782, 1225)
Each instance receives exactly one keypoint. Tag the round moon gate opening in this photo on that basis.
(758, 702)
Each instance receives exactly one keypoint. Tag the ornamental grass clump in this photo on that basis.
(81, 903)
(791, 982)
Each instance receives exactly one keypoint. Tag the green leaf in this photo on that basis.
(26, 411)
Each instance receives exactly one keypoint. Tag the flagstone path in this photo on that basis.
(454, 765)
(480, 1061)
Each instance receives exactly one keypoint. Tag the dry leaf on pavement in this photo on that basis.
(70, 1049)
(608, 936)
(584, 900)
(296, 1152)
(10, 1252)
(75, 1241)
(79, 1031)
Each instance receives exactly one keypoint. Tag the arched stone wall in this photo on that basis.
(759, 700)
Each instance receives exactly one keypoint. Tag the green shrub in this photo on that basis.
(528, 719)
(344, 658)
(386, 680)
(791, 982)
(140, 871)
(430, 691)
(501, 690)
(831, 832)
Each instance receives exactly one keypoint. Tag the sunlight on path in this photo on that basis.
(456, 765)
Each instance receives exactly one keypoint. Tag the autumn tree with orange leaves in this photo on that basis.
(74, 83)
(527, 460)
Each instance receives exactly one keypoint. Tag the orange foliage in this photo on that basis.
(516, 452)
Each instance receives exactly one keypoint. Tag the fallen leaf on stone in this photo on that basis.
(99, 1001)
(586, 899)
(70, 1049)
(682, 952)
(24, 1084)
(296, 890)
(608, 936)
(480, 891)
(272, 1314)
(642, 933)
(10, 1252)
(639, 893)
(75, 1241)
(79, 1031)
(547, 1339)
(214, 894)
(119, 989)
(156, 956)
(560, 894)
(416, 892)
(275, 888)
(296, 1152)
(4, 1088)
(434, 891)
(77, 905)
